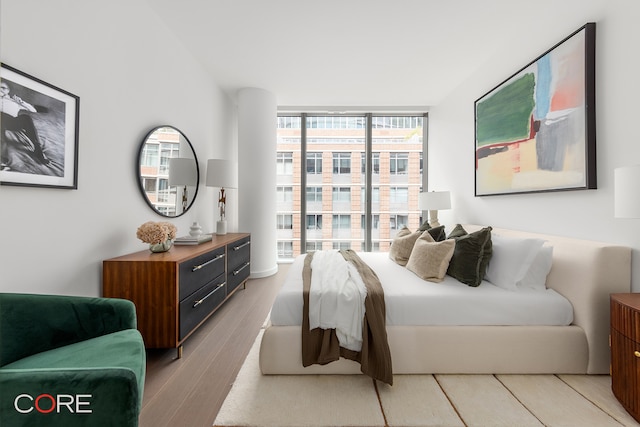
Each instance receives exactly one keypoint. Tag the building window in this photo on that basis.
(341, 222)
(341, 194)
(284, 194)
(314, 194)
(314, 163)
(396, 222)
(399, 194)
(398, 163)
(341, 163)
(285, 250)
(285, 222)
(314, 222)
(284, 165)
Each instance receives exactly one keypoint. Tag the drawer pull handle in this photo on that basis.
(198, 267)
(636, 353)
(200, 301)
(245, 265)
(235, 248)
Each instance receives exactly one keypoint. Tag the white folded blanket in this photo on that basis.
(336, 298)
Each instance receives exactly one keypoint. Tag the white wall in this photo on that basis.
(131, 74)
(584, 214)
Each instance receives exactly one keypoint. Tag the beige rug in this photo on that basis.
(257, 400)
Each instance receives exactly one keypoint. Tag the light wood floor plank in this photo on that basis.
(191, 390)
(554, 403)
(482, 401)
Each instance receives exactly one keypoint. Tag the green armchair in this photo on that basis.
(69, 361)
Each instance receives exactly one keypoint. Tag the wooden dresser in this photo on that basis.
(176, 291)
(625, 351)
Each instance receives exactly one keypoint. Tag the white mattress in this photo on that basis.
(412, 301)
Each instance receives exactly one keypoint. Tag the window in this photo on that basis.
(341, 163)
(314, 222)
(314, 194)
(398, 221)
(314, 163)
(284, 194)
(285, 222)
(341, 222)
(341, 194)
(398, 194)
(322, 186)
(398, 163)
(284, 165)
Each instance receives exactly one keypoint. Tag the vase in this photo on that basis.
(161, 247)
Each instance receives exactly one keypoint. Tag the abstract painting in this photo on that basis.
(535, 131)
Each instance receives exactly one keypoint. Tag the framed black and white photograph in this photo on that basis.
(38, 132)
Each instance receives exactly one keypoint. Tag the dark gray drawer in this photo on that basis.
(237, 275)
(197, 306)
(198, 271)
(239, 252)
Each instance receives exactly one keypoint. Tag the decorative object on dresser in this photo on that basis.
(177, 291)
(625, 351)
(222, 173)
(159, 235)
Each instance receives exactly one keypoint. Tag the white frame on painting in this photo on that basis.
(38, 132)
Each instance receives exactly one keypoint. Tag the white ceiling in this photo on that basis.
(343, 53)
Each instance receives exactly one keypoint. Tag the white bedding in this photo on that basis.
(412, 301)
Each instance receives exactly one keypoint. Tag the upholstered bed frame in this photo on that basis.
(584, 272)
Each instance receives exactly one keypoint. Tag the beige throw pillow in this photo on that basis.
(402, 245)
(429, 259)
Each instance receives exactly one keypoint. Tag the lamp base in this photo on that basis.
(221, 227)
(433, 218)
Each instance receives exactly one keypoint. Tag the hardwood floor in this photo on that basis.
(190, 391)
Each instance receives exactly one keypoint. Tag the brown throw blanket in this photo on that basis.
(321, 346)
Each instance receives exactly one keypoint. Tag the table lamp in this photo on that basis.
(222, 174)
(433, 201)
(182, 172)
(626, 195)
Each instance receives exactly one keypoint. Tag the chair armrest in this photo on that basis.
(111, 394)
(31, 323)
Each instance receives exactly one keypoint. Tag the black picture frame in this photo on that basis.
(536, 131)
(39, 126)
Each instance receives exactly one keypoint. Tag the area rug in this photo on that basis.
(257, 400)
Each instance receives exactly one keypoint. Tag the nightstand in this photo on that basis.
(625, 351)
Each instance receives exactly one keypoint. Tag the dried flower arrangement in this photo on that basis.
(156, 232)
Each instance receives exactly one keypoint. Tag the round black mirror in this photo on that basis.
(168, 172)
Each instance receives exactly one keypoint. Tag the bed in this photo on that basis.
(477, 330)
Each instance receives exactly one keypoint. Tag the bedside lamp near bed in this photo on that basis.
(626, 199)
(433, 201)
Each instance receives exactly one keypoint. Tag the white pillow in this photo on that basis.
(536, 277)
(512, 257)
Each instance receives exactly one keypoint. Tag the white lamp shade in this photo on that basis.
(222, 173)
(182, 171)
(627, 192)
(434, 200)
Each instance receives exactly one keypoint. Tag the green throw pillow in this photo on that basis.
(437, 233)
(471, 255)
